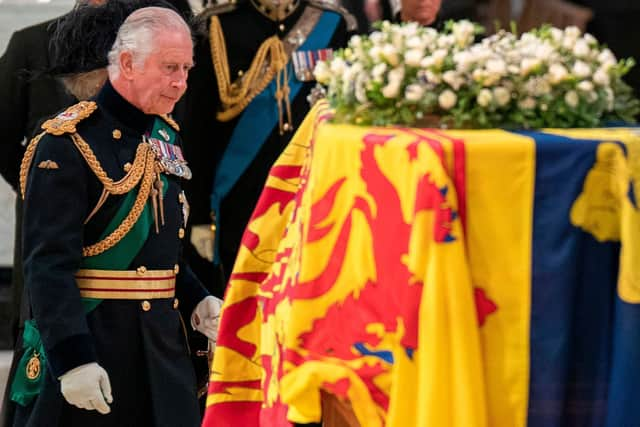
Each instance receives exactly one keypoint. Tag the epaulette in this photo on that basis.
(66, 121)
(336, 6)
(171, 122)
(201, 20)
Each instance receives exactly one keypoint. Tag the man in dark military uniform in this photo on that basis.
(104, 218)
(242, 107)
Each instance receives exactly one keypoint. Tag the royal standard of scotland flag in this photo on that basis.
(440, 278)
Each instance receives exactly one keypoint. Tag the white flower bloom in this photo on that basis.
(557, 73)
(338, 66)
(581, 69)
(439, 57)
(322, 72)
(543, 50)
(463, 32)
(496, 66)
(514, 69)
(391, 90)
(589, 39)
(606, 57)
(572, 32)
(390, 54)
(453, 79)
(484, 98)
(433, 77)
(413, 57)
(446, 41)
(601, 77)
(557, 34)
(396, 75)
(585, 86)
(355, 41)
(463, 60)
(414, 92)
(572, 99)
(377, 38)
(527, 103)
(478, 75)
(361, 88)
(581, 48)
(610, 98)
(529, 65)
(376, 54)
(447, 99)
(415, 42)
(427, 62)
(377, 73)
(502, 96)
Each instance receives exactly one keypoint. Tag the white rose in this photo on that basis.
(413, 57)
(581, 69)
(446, 41)
(571, 98)
(568, 42)
(527, 103)
(557, 73)
(601, 77)
(484, 98)
(396, 75)
(572, 32)
(390, 54)
(585, 86)
(463, 60)
(338, 66)
(322, 72)
(581, 48)
(502, 96)
(413, 92)
(543, 51)
(590, 39)
(447, 99)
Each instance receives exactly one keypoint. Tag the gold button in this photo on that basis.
(127, 167)
(146, 305)
(116, 134)
(181, 197)
(240, 73)
(141, 270)
(176, 268)
(175, 303)
(286, 127)
(181, 233)
(281, 27)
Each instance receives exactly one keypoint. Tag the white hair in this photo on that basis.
(138, 32)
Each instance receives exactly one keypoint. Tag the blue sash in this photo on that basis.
(258, 121)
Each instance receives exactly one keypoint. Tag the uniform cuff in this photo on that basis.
(70, 353)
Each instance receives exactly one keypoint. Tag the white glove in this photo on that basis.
(204, 318)
(87, 387)
(202, 238)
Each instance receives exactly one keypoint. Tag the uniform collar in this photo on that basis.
(118, 107)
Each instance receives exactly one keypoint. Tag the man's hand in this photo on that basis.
(87, 387)
(202, 238)
(204, 318)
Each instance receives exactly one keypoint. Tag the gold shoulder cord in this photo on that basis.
(142, 171)
(270, 60)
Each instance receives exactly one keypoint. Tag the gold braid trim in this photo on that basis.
(26, 162)
(171, 122)
(128, 182)
(271, 59)
(133, 215)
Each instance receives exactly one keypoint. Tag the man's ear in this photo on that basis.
(126, 65)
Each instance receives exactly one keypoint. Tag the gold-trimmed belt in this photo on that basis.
(126, 284)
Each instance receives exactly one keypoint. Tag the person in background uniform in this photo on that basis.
(103, 224)
(242, 108)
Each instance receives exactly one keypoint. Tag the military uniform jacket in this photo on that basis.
(143, 349)
(206, 138)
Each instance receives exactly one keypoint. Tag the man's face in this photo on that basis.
(162, 80)
(422, 11)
